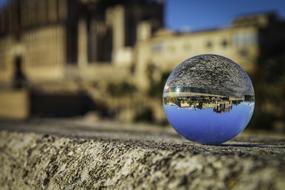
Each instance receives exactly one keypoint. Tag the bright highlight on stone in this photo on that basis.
(208, 99)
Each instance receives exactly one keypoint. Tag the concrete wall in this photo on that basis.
(6, 59)
(42, 52)
(14, 104)
(44, 57)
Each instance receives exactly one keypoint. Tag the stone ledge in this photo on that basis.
(42, 161)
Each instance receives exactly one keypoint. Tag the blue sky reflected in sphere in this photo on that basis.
(208, 99)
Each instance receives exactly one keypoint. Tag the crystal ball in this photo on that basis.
(208, 99)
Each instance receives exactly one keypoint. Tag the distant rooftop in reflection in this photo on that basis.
(217, 103)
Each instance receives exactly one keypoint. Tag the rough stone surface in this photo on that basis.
(68, 155)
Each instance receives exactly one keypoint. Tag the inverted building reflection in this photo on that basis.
(183, 98)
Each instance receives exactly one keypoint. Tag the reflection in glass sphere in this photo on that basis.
(208, 99)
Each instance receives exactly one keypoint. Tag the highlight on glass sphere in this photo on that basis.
(208, 99)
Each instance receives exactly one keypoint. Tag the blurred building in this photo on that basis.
(63, 44)
(56, 40)
(60, 40)
(247, 40)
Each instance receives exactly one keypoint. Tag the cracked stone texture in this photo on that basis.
(70, 155)
(213, 73)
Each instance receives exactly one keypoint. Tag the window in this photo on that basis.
(244, 38)
(224, 43)
(62, 9)
(238, 39)
(243, 53)
(251, 38)
(209, 44)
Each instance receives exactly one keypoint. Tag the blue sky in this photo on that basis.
(207, 126)
(200, 14)
(2, 2)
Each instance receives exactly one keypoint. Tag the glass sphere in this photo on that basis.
(208, 99)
